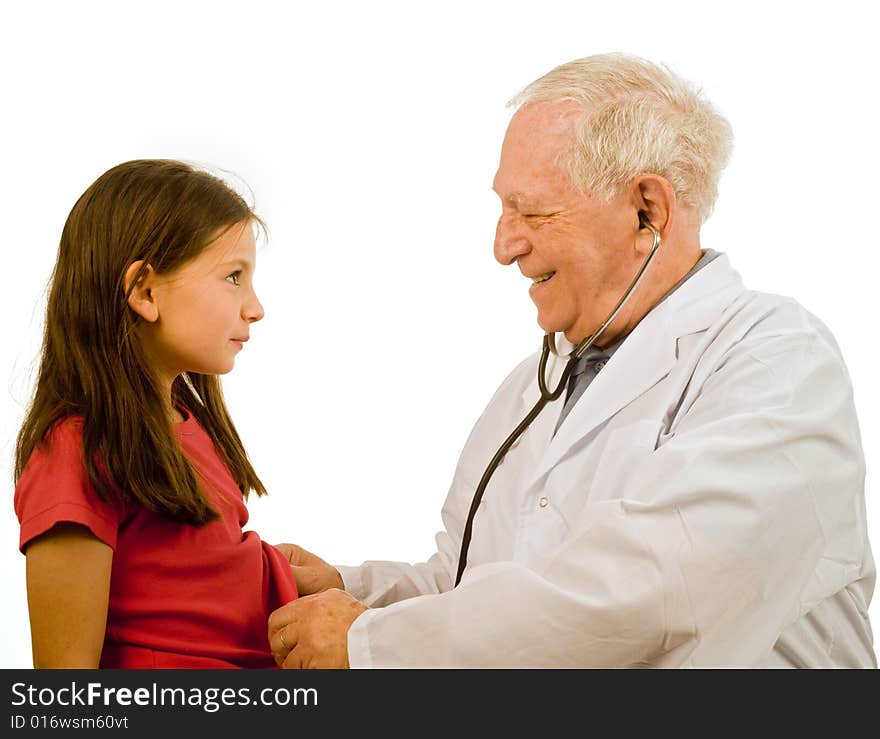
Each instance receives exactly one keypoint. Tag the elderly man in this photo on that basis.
(694, 494)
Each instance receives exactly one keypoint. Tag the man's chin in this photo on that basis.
(554, 326)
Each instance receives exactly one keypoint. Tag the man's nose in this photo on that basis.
(510, 241)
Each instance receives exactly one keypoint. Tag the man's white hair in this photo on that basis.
(639, 118)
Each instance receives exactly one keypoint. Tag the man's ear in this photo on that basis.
(140, 296)
(654, 198)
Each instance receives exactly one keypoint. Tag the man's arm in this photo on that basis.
(719, 539)
(741, 521)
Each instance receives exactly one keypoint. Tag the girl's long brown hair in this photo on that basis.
(165, 213)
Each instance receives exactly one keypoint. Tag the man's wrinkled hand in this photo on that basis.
(312, 632)
(311, 573)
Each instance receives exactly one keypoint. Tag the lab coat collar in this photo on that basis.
(643, 359)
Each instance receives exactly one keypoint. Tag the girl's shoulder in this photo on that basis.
(62, 439)
(54, 486)
(67, 427)
(60, 449)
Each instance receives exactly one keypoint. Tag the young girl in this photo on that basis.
(130, 475)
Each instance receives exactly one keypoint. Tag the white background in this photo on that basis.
(369, 134)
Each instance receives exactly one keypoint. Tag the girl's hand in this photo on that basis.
(312, 574)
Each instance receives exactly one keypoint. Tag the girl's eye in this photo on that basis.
(233, 278)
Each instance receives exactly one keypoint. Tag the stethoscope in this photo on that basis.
(549, 345)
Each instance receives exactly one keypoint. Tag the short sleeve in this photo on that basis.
(54, 487)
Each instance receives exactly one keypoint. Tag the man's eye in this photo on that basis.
(234, 277)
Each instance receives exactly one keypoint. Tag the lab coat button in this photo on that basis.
(598, 366)
(543, 502)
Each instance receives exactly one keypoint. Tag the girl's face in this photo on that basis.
(205, 308)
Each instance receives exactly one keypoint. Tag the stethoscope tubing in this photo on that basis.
(548, 346)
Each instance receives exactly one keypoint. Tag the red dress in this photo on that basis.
(181, 596)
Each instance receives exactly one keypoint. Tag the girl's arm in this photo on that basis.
(68, 588)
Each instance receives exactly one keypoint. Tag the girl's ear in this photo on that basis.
(141, 299)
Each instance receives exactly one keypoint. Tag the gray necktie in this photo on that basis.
(585, 369)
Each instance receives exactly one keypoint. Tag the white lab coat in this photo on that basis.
(702, 505)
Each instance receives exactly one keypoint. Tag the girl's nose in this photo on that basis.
(253, 309)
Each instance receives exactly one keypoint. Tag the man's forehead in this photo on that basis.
(533, 154)
(522, 187)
